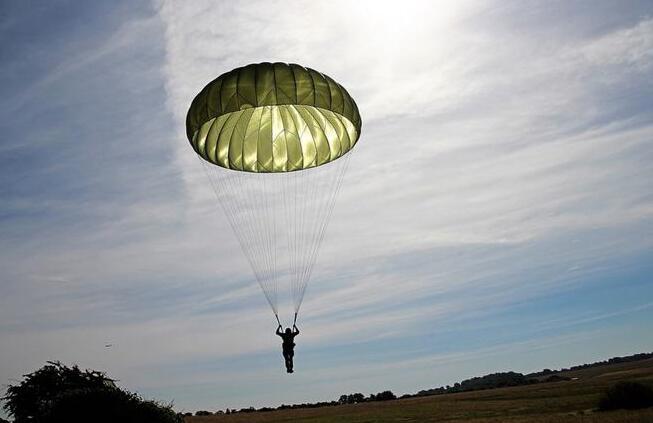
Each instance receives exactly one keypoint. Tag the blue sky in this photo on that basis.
(497, 213)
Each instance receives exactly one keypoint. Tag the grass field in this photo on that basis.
(559, 402)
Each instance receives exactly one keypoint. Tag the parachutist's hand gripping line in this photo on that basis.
(294, 322)
(273, 139)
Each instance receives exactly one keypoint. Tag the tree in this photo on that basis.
(357, 397)
(385, 396)
(351, 398)
(56, 393)
(107, 406)
(628, 395)
(33, 397)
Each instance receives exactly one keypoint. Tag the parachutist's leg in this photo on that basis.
(288, 359)
(289, 364)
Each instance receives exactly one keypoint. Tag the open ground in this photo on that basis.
(558, 402)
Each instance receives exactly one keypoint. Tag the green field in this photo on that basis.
(559, 402)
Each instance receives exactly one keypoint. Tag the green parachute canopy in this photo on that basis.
(272, 117)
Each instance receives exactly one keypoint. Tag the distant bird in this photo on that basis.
(108, 345)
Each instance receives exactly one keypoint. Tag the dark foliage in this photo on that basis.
(491, 381)
(203, 413)
(613, 360)
(303, 405)
(382, 396)
(628, 395)
(57, 393)
(433, 391)
(358, 398)
(107, 406)
(34, 396)
(494, 380)
(351, 398)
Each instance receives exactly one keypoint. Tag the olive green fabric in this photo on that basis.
(272, 117)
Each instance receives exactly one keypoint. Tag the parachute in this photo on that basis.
(274, 140)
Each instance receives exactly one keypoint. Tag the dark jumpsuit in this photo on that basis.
(288, 346)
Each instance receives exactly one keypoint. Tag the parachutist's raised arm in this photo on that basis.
(295, 330)
(279, 332)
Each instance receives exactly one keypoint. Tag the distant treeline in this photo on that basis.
(344, 399)
(613, 360)
(501, 380)
(491, 381)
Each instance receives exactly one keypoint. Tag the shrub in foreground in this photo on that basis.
(57, 393)
(108, 406)
(628, 395)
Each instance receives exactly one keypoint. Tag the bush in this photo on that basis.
(108, 406)
(385, 396)
(628, 395)
(57, 393)
(352, 398)
(34, 396)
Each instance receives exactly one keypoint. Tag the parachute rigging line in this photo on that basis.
(280, 221)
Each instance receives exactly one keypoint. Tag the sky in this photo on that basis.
(497, 213)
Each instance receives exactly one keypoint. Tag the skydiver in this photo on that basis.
(288, 345)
